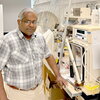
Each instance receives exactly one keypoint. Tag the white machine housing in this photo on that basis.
(87, 39)
(81, 12)
(85, 47)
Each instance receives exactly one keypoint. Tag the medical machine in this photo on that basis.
(85, 49)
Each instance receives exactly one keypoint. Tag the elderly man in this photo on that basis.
(21, 54)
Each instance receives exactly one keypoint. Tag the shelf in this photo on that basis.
(78, 17)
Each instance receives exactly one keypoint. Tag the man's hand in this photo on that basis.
(3, 95)
(61, 81)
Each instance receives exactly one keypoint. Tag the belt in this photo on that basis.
(22, 89)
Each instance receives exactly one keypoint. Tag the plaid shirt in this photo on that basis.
(23, 59)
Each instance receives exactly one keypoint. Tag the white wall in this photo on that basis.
(11, 9)
(1, 20)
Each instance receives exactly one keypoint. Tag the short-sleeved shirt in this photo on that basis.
(21, 59)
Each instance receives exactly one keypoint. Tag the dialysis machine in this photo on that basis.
(85, 47)
(86, 50)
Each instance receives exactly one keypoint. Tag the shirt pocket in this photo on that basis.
(37, 56)
(19, 57)
(38, 53)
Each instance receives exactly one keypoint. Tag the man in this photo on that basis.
(21, 54)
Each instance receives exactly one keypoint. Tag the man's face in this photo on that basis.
(28, 24)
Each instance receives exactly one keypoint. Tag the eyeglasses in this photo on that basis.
(29, 22)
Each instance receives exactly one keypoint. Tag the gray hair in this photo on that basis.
(25, 10)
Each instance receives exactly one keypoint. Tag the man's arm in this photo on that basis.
(3, 95)
(53, 65)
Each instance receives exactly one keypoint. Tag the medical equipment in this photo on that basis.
(85, 46)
